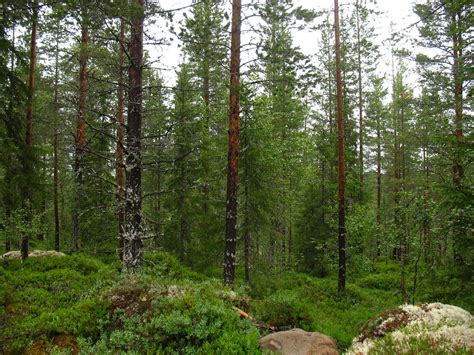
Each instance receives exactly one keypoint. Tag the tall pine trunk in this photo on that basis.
(247, 235)
(360, 104)
(133, 233)
(458, 169)
(341, 163)
(119, 163)
(8, 206)
(233, 153)
(379, 179)
(80, 137)
(28, 161)
(57, 226)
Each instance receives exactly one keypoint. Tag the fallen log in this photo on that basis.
(258, 324)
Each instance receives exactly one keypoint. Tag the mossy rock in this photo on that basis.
(423, 328)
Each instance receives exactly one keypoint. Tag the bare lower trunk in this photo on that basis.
(119, 163)
(458, 168)
(233, 154)
(57, 227)
(341, 162)
(29, 130)
(206, 140)
(247, 236)
(361, 126)
(133, 233)
(80, 140)
(183, 219)
(379, 181)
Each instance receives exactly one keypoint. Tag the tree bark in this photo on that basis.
(458, 168)
(119, 162)
(361, 126)
(233, 153)
(8, 206)
(247, 236)
(57, 226)
(29, 129)
(80, 137)
(341, 163)
(133, 233)
(379, 179)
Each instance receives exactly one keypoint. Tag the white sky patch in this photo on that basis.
(395, 16)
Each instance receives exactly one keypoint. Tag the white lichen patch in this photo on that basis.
(437, 313)
(16, 254)
(438, 324)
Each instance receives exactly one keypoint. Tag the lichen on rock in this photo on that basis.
(16, 254)
(433, 325)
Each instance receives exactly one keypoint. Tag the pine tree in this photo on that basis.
(233, 152)
(445, 31)
(29, 158)
(133, 232)
(341, 163)
(80, 128)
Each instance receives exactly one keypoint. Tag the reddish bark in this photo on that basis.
(29, 125)
(233, 153)
(80, 140)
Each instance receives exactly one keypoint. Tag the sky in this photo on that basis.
(399, 13)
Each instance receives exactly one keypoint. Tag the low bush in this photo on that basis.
(285, 309)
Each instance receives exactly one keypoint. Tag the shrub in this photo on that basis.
(285, 309)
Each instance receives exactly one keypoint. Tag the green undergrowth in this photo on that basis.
(313, 304)
(79, 302)
(291, 299)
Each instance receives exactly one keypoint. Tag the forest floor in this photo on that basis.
(80, 302)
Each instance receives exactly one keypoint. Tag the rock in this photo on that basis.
(12, 255)
(444, 327)
(16, 254)
(298, 342)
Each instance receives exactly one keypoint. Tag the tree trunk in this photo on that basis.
(183, 220)
(206, 140)
(29, 129)
(80, 140)
(119, 163)
(233, 153)
(458, 169)
(247, 236)
(341, 162)
(379, 180)
(133, 233)
(57, 226)
(8, 206)
(361, 126)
